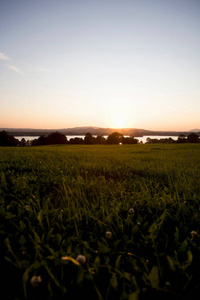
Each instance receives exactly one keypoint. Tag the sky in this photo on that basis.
(103, 63)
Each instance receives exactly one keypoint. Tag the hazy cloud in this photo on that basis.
(15, 69)
(4, 56)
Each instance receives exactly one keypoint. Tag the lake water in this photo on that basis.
(141, 139)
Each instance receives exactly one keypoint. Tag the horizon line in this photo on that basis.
(95, 127)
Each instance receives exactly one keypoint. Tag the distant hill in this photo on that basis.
(95, 131)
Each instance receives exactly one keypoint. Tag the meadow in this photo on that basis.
(132, 211)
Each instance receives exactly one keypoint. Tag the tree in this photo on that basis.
(22, 143)
(181, 139)
(76, 141)
(56, 138)
(7, 140)
(193, 138)
(89, 139)
(100, 139)
(149, 141)
(129, 140)
(115, 138)
(51, 139)
(42, 140)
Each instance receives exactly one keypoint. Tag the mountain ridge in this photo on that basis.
(195, 130)
(136, 132)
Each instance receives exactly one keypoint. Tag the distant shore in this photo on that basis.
(95, 131)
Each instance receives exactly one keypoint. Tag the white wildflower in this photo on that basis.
(81, 259)
(131, 210)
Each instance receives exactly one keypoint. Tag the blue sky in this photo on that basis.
(100, 63)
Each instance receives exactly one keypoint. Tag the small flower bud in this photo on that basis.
(131, 210)
(35, 281)
(108, 234)
(81, 259)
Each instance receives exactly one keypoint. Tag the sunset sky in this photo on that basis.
(105, 63)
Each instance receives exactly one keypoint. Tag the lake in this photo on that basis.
(141, 139)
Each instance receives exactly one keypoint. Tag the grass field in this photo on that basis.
(58, 202)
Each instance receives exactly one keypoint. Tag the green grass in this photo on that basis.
(58, 201)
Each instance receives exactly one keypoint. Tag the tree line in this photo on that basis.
(191, 138)
(59, 138)
(114, 138)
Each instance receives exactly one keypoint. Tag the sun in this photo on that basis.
(120, 122)
(118, 118)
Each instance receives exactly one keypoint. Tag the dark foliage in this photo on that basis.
(115, 138)
(129, 140)
(181, 139)
(89, 139)
(51, 139)
(193, 138)
(7, 140)
(56, 138)
(76, 141)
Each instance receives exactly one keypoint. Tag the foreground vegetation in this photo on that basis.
(132, 211)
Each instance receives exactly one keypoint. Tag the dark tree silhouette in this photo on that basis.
(100, 140)
(7, 140)
(51, 139)
(76, 141)
(129, 140)
(181, 139)
(42, 140)
(193, 138)
(89, 139)
(56, 138)
(115, 138)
